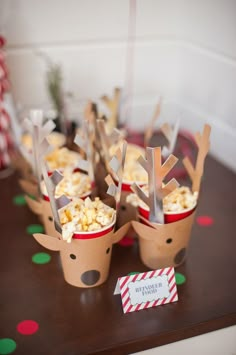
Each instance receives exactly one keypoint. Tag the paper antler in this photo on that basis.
(203, 144)
(40, 145)
(171, 134)
(156, 174)
(85, 143)
(56, 203)
(90, 113)
(107, 140)
(91, 116)
(117, 167)
(149, 131)
(113, 105)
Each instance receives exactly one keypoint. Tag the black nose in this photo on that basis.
(90, 277)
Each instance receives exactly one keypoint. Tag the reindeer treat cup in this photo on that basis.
(40, 132)
(86, 231)
(163, 228)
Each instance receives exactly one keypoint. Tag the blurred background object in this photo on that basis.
(184, 51)
(6, 139)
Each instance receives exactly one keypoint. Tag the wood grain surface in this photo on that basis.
(91, 321)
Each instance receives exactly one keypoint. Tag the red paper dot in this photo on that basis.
(27, 327)
(205, 221)
(126, 242)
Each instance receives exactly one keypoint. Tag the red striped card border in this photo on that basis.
(125, 297)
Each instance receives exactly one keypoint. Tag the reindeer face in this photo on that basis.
(166, 245)
(85, 262)
(43, 209)
(48, 220)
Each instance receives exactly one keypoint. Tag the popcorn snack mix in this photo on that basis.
(163, 242)
(180, 199)
(81, 216)
(62, 158)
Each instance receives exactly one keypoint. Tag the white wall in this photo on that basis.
(185, 50)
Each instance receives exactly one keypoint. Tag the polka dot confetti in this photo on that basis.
(205, 221)
(27, 327)
(126, 242)
(179, 278)
(41, 258)
(7, 346)
(35, 228)
(19, 200)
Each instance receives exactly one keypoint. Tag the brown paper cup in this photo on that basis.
(32, 190)
(169, 217)
(85, 262)
(22, 165)
(166, 245)
(29, 187)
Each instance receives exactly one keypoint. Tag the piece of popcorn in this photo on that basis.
(67, 232)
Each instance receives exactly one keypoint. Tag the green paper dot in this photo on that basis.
(179, 278)
(133, 273)
(35, 228)
(7, 346)
(41, 258)
(19, 200)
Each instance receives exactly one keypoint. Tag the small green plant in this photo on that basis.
(54, 85)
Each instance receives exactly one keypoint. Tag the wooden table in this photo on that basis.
(84, 321)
